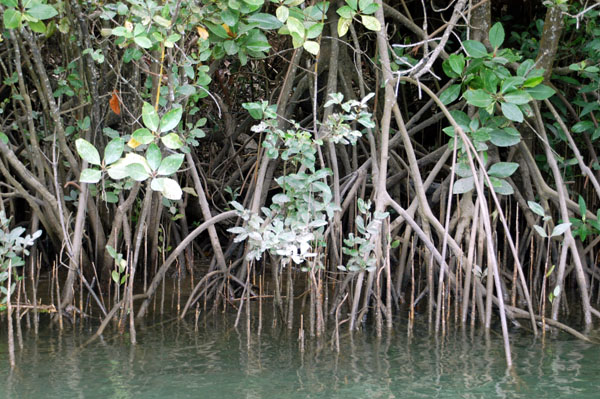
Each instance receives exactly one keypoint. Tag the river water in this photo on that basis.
(215, 360)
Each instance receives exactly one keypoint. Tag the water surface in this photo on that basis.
(174, 360)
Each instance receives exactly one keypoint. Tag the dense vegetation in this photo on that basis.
(375, 153)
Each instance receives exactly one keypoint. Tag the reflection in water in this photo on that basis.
(172, 360)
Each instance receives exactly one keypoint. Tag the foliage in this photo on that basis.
(293, 226)
(489, 86)
(360, 247)
(13, 247)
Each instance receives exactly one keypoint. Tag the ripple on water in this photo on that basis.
(175, 361)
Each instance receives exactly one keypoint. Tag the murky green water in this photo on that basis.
(173, 360)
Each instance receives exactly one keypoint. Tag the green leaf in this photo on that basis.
(265, 21)
(120, 31)
(450, 94)
(541, 92)
(518, 97)
(511, 83)
(37, 27)
(172, 141)
(525, 67)
(87, 151)
(311, 46)
(505, 137)
(478, 98)
(512, 112)
(353, 4)
(113, 150)
(255, 4)
(582, 207)
(143, 41)
(532, 82)
(343, 26)
(42, 11)
(475, 49)
(503, 169)
(254, 109)
(583, 126)
(560, 229)
(231, 47)
(370, 9)
(115, 276)
(457, 63)
(170, 120)
(12, 18)
(137, 172)
(282, 13)
(90, 175)
(496, 35)
(345, 12)
(463, 185)
(229, 17)
(150, 117)
(153, 156)
(217, 30)
(169, 188)
(10, 3)
(370, 23)
(170, 164)
(314, 31)
(143, 136)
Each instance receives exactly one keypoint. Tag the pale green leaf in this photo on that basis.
(370, 23)
(143, 41)
(463, 185)
(87, 151)
(311, 46)
(503, 169)
(170, 120)
(90, 175)
(536, 208)
(150, 117)
(137, 172)
(113, 150)
(153, 156)
(42, 11)
(172, 141)
(282, 13)
(169, 188)
(170, 164)
(560, 229)
(143, 136)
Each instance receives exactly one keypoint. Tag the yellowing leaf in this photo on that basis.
(228, 30)
(203, 33)
(343, 26)
(133, 143)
